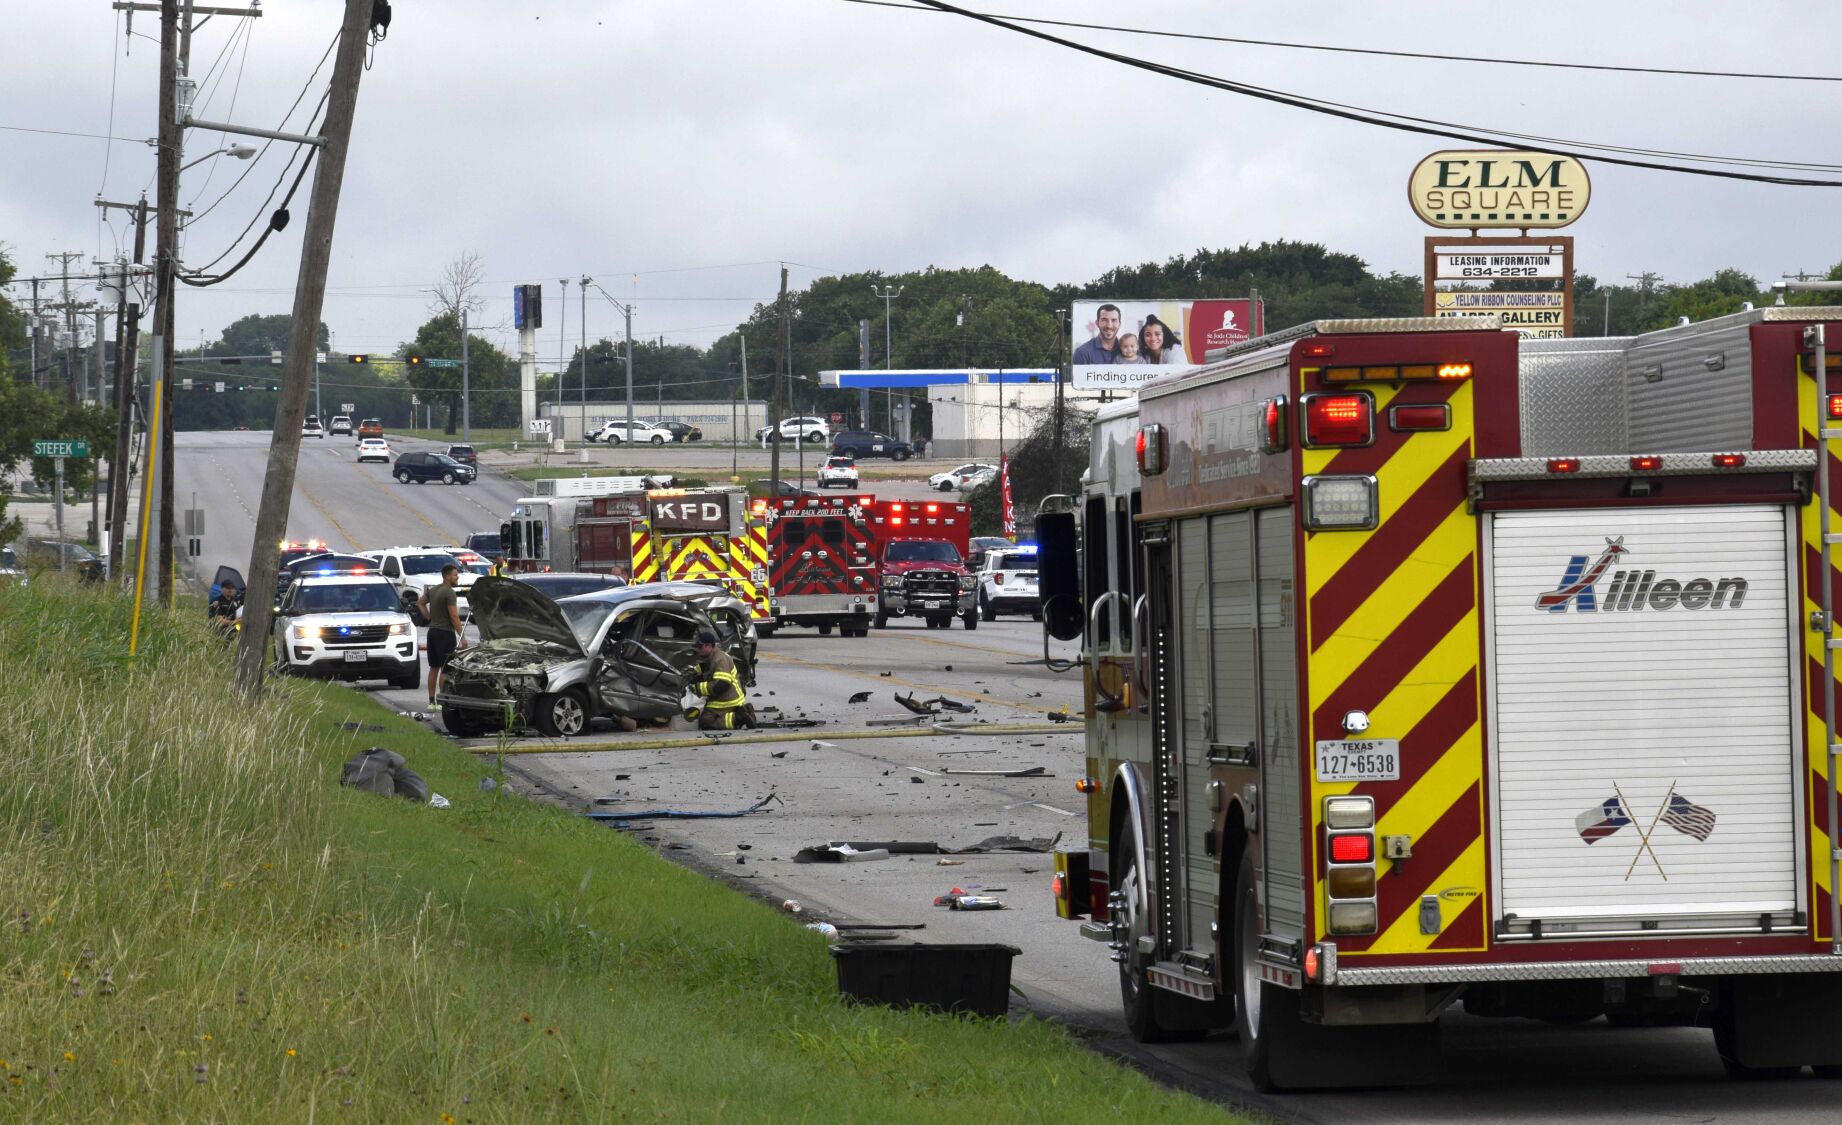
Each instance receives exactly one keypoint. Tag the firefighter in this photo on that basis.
(720, 686)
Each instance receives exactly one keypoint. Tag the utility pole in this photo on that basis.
(64, 258)
(1061, 354)
(562, 365)
(780, 360)
(1644, 281)
(37, 379)
(466, 383)
(309, 299)
(863, 363)
(627, 309)
(128, 328)
(888, 293)
(583, 450)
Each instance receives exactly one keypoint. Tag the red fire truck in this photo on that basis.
(1427, 667)
(921, 546)
(821, 562)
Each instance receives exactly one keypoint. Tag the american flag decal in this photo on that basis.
(1688, 818)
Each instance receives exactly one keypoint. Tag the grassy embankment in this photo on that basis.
(201, 925)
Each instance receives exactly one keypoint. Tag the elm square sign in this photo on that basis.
(55, 448)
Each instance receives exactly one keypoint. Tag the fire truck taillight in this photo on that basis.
(1424, 416)
(1455, 371)
(1318, 349)
(1646, 464)
(1349, 812)
(1349, 876)
(1728, 460)
(1563, 464)
(1352, 847)
(1275, 439)
(1339, 503)
(1835, 406)
(1339, 420)
(1151, 443)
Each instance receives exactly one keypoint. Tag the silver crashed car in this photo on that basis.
(555, 665)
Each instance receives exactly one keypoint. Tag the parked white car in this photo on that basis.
(375, 449)
(614, 432)
(966, 476)
(813, 431)
(838, 472)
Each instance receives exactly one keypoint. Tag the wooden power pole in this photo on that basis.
(780, 366)
(298, 366)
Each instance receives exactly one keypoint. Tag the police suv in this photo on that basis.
(346, 627)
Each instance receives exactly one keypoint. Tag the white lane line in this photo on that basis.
(1039, 805)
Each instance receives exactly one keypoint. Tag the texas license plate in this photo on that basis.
(933, 603)
(355, 656)
(1362, 759)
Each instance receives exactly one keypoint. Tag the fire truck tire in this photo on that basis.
(882, 621)
(765, 631)
(825, 629)
(1138, 999)
(971, 619)
(1831, 1072)
(562, 715)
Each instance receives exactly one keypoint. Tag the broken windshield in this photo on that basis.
(585, 617)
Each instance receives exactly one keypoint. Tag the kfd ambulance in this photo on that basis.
(1425, 667)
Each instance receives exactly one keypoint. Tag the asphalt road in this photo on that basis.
(850, 780)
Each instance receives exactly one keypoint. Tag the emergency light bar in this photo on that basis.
(1398, 373)
(1648, 464)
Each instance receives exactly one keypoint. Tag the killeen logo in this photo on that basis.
(1634, 589)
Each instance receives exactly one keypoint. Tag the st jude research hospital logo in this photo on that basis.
(1585, 588)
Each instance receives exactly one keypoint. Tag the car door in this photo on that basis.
(643, 665)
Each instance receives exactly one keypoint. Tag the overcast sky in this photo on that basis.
(676, 150)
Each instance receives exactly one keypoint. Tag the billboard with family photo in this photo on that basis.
(1122, 345)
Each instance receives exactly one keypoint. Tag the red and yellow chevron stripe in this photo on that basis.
(1810, 529)
(1392, 627)
(645, 563)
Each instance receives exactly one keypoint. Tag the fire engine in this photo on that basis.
(822, 562)
(647, 535)
(1423, 667)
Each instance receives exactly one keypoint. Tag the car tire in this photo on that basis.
(1036, 614)
(882, 621)
(562, 714)
(846, 451)
(900, 455)
(815, 437)
(987, 611)
(408, 679)
(615, 439)
(402, 477)
(971, 619)
(658, 439)
(946, 485)
(462, 723)
(447, 478)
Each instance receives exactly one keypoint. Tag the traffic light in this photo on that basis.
(358, 359)
(415, 361)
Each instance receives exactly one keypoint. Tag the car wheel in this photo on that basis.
(815, 437)
(564, 714)
(462, 723)
(987, 611)
(971, 619)
(402, 477)
(410, 677)
(447, 478)
(946, 485)
(847, 451)
(900, 455)
(882, 621)
(658, 439)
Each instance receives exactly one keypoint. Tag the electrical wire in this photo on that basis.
(1380, 118)
(257, 159)
(1376, 51)
(236, 90)
(199, 279)
(149, 142)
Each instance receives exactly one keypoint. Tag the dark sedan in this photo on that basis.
(681, 431)
(425, 467)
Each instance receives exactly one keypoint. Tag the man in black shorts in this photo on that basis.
(441, 606)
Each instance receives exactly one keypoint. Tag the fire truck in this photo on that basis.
(830, 562)
(921, 546)
(645, 535)
(1426, 667)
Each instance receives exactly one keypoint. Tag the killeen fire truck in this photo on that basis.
(830, 565)
(646, 535)
(1423, 667)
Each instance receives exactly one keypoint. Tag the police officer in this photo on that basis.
(225, 608)
(720, 686)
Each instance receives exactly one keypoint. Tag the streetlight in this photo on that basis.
(241, 152)
(888, 294)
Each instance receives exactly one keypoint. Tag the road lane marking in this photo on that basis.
(897, 680)
(738, 738)
(1038, 805)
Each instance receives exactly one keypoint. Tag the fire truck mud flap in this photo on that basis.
(1770, 1026)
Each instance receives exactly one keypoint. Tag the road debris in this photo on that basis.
(935, 705)
(1061, 716)
(778, 754)
(791, 906)
(961, 899)
(838, 853)
(626, 818)
(885, 675)
(1041, 844)
(823, 929)
(384, 772)
(949, 863)
(861, 696)
(1033, 771)
(367, 728)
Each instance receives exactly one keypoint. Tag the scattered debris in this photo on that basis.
(987, 750)
(790, 906)
(880, 925)
(1061, 716)
(838, 853)
(1033, 771)
(778, 754)
(823, 929)
(949, 863)
(859, 697)
(623, 777)
(885, 675)
(960, 899)
(437, 801)
(745, 847)
(907, 721)
(918, 780)
(366, 728)
(935, 705)
(949, 668)
(622, 819)
(384, 772)
(487, 785)
(789, 724)
(929, 847)
(818, 745)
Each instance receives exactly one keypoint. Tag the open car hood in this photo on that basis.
(504, 610)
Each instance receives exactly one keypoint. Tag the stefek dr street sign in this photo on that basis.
(1498, 188)
(55, 448)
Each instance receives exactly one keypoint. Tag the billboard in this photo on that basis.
(1122, 345)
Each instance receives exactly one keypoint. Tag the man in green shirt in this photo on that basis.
(441, 606)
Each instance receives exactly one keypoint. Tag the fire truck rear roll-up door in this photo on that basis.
(1642, 720)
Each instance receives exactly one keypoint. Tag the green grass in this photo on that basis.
(200, 924)
(483, 438)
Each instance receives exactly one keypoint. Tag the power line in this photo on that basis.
(148, 141)
(1376, 51)
(286, 117)
(1384, 119)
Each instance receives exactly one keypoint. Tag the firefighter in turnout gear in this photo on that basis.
(726, 706)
